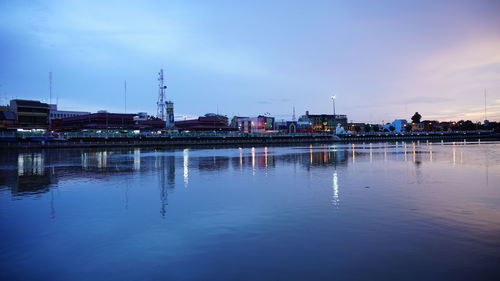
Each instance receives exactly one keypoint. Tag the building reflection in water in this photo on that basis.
(454, 153)
(32, 175)
(371, 153)
(430, 152)
(241, 158)
(137, 158)
(253, 161)
(38, 172)
(414, 151)
(385, 152)
(102, 159)
(353, 153)
(257, 158)
(212, 163)
(185, 154)
(311, 153)
(265, 156)
(405, 154)
(335, 189)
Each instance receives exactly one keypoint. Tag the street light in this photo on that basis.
(333, 100)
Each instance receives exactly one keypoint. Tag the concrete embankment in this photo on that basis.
(160, 141)
(189, 140)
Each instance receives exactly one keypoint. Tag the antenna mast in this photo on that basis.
(50, 87)
(125, 96)
(293, 116)
(161, 97)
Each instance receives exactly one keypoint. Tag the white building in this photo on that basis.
(59, 114)
(141, 116)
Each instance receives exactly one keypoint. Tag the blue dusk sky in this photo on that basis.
(382, 59)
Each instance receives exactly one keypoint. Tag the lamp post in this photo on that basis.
(333, 119)
(333, 101)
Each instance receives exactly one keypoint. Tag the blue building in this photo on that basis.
(398, 124)
(285, 126)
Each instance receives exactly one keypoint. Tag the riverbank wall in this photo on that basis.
(68, 140)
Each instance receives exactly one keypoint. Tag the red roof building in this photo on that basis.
(205, 123)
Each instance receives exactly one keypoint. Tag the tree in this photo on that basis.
(466, 125)
(368, 128)
(392, 128)
(408, 127)
(416, 118)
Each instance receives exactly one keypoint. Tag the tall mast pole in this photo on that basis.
(333, 104)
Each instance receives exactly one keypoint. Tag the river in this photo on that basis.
(379, 211)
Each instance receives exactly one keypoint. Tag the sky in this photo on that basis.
(383, 60)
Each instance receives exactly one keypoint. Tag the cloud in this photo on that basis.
(417, 100)
(450, 84)
(83, 32)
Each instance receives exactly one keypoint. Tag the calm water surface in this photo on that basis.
(382, 211)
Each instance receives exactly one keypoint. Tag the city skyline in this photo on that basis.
(382, 62)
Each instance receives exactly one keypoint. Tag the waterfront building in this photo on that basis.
(96, 121)
(147, 125)
(204, 123)
(223, 118)
(431, 125)
(304, 124)
(355, 127)
(59, 114)
(259, 124)
(30, 114)
(398, 124)
(323, 122)
(286, 126)
(141, 116)
(105, 121)
(417, 127)
(234, 121)
(7, 119)
(446, 126)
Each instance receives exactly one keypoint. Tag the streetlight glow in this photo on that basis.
(333, 101)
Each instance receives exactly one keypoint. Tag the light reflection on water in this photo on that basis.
(412, 210)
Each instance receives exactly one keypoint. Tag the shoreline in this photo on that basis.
(117, 140)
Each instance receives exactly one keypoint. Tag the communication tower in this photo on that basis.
(161, 97)
(50, 87)
(165, 109)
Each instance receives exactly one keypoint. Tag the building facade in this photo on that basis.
(259, 124)
(322, 122)
(398, 124)
(7, 120)
(30, 114)
(204, 123)
(283, 126)
(60, 114)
